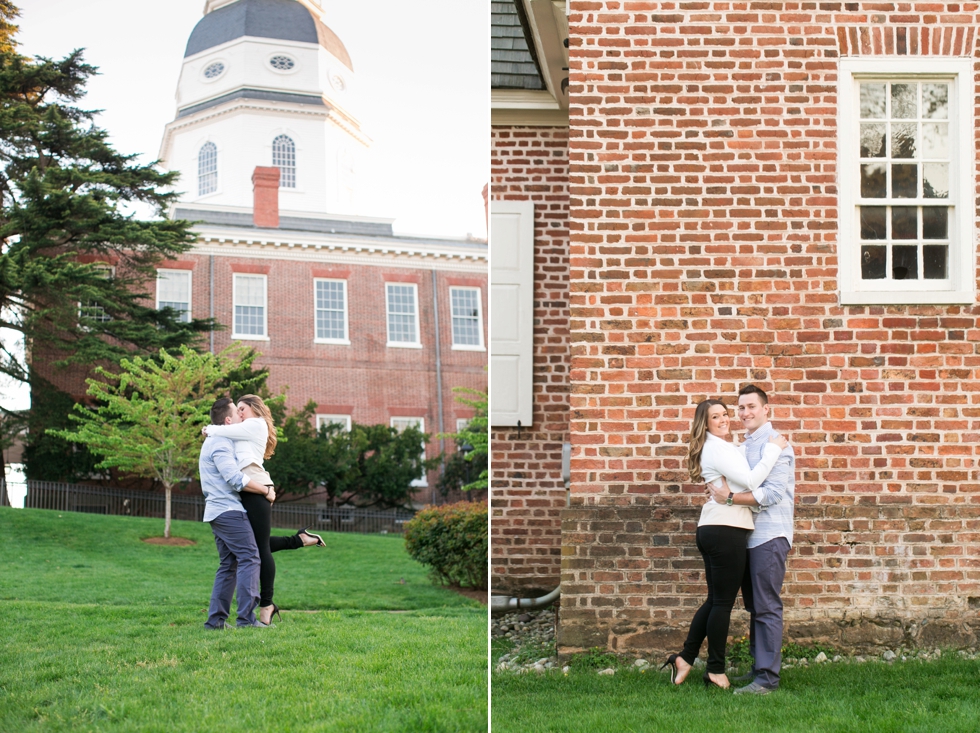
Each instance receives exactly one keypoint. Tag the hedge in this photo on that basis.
(452, 541)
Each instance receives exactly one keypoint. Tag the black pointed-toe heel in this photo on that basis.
(319, 539)
(672, 663)
(275, 612)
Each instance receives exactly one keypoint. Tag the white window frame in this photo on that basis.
(110, 271)
(479, 319)
(960, 288)
(265, 308)
(424, 481)
(190, 289)
(345, 341)
(217, 169)
(417, 344)
(292, 141)
(322, 420)
(462, 423)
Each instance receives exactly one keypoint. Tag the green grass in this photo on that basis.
(841, 698)
(102, 632)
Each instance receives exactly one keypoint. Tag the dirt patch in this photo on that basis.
(170, 541)
(476, 595)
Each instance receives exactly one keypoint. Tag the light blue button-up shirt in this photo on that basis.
(221, 481)
(776, 494)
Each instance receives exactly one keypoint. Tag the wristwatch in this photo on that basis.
(731, 498)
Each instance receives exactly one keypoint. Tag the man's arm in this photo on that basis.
(772, 491)
(224, 460)
(720, 495)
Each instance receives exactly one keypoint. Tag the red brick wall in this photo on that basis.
(375, 381)
(704, 256)
(527, 492)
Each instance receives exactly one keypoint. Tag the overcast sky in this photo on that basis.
(422, 70)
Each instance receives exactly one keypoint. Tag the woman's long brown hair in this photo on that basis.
(261, 410)
(699, 434)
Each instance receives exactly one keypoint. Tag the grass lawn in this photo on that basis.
(101, 631)
(860, 698)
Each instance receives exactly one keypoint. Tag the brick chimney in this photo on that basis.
(265, 186)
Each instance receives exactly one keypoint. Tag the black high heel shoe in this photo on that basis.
(708, 682)
(275, 612)
(319, 539)
(672, 663)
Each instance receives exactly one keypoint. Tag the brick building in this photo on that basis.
(776, 193)
(372, 326)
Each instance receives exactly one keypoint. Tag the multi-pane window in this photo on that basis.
(402, 306)
(91, 309)
(207, 169)
(905, 159)
(465, 307)
(905, 203)
(331, 310)
(284, 158)
(250, 306)
(400, 424)
(174, 291)
(342, 420)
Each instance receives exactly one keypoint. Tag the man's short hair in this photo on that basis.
(221, 409)
(752, 389)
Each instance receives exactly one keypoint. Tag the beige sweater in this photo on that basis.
(721, 458)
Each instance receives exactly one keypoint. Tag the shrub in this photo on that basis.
(452, 541)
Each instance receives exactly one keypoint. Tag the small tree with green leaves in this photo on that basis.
(147, 419)
(476, 435)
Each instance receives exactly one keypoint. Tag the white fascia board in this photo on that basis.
(549, 43)
(526, 107)
(337, 249)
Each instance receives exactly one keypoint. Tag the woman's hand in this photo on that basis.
(204, 430)
(271, 496)
(779, 440)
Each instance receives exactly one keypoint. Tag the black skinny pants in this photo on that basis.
(259, 511)
(724, 552)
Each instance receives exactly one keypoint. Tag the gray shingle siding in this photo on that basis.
(512, 64)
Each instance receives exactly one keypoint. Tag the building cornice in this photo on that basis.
(517, 107)
(380, 252)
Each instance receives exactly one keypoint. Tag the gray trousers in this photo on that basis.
(761, 588)
(238, 566)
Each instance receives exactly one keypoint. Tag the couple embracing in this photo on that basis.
(744, 536)
(238, 494)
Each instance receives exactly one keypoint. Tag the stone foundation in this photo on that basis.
(632, 580)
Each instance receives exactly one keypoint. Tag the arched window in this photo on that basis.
(284, 158)
(207, 169)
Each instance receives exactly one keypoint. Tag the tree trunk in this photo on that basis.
(166, 526)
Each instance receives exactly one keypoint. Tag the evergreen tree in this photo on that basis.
(63, 224)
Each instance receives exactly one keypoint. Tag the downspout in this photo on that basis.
(211, 297)
(442, 440)
(502, 604)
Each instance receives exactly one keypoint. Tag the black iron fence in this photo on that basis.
(99, 500)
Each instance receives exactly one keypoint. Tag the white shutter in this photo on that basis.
(512, 312)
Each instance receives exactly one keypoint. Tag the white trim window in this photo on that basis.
(906, 193)
(174, 291)
(322, 420)
(462, 423)
(284, 158)
(400, 423)
(330, 309)
(207, 169)
(250, 305)
(91, 309)
(402, 308)
(466, 309)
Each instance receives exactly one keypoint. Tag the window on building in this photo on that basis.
(250, 307)
(462, 423)
(467, 318)
(207, 169)
(400, 423)
(92, 310)
(284, 158)
(174, 291)
(331, 310)
(343, 420)
(906, 197)
(403, 314)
